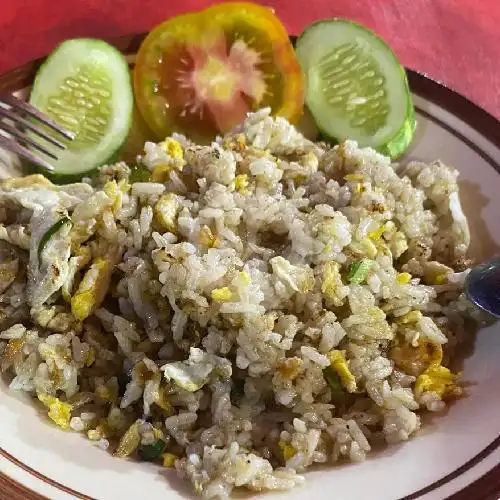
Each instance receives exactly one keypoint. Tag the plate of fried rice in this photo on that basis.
(265, 315)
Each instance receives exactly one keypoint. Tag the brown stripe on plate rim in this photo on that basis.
(485, 488)
(38, 475)
(12, 490)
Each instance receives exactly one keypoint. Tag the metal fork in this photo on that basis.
(16, 118)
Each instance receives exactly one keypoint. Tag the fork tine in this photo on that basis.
(35, 113)
(15, 147)
(7, 113)
(24, 138)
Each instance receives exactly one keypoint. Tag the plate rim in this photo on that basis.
(486, 487)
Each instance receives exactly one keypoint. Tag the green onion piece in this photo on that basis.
(358, 271)
(333, 380)
(150, 452)
(139, 173)
(50, 232)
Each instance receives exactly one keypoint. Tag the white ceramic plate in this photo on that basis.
(456, 455)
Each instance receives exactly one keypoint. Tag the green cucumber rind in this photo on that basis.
(113, 153)
(398, 145)
(395, 146)
(64, 178)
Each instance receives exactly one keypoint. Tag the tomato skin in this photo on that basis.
(242, 46)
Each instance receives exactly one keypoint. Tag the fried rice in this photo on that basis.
(238, 311)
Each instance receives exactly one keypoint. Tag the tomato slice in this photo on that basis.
(199, 74)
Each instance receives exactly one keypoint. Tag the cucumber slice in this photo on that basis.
(356, 87)
(85, 86)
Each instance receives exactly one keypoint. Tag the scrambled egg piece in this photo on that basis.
(113, 191)
(193, 373)
(410, 317)
(45, 315)
(375, 313)
(173, 148)
(166, 210)
(297, 278)
(236, 142)
(424, 362)
(403, 278)
(436, 273)
(340, 365)
(102, 431)
(92, 289)
(331, 280)
(245, 277)
(59, 412)
(438, 379)
(158, 434)
(415, 360)
(82, 257)
(26, 182)
(241, 184)
(80, 233)
(169, 460)
(185, 377)
(124, 186)
(290, 368)
(207, 238)
(377, 233)
(287, 449)
(221, 294)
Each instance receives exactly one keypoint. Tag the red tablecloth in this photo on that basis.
(454, 41)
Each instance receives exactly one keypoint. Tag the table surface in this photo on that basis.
(453, 41)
